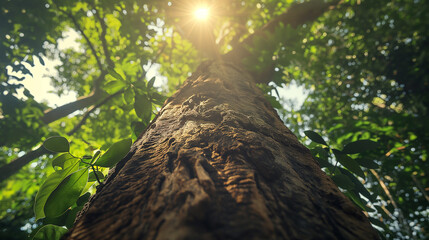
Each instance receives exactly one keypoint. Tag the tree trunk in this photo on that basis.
(218, 163)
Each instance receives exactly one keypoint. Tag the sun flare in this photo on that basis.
(201, 13)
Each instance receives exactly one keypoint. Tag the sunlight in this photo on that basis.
(202, 13)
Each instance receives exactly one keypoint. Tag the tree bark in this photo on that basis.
(218, 163)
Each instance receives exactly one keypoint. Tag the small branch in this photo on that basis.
(84, 36)
(95, 173)
(90, 110)
(295, 16)
(401, 217)
(420, 187)
(103, 36)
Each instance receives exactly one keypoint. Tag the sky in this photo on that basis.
(40, 84)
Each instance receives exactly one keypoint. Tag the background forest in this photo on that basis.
(362, 67)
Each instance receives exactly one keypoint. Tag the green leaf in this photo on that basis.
(321, 152)
(41, 60)
(349, 163)
(140, 86)
(66, 194)
(71, 216)
(50, 232)
(324, 163)
(114, 154)
(343, 181)
(315, 137)
(57, 144)
(59, 220)
(151, 82)
(273, 101)
(360, 146)
(50, 184)
(115, 74)
(92, 177)
(114, 86)
(128, 96)
(83, 199)
(378, 223)
(64, 160)
(368, 163)
(158, 98)
(355, 199)
(143, 107)
(358, 185)
(138, 128)
(97, 153)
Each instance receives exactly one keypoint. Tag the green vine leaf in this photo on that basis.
(114, 154)
(114, 86)
(315, 137)
(83, 199)
(349, 163)
(151, 82)
(66, 193)
(93, 178)
(368, 163)
(115, 75)
(50, 232)
(343, 181)
(143, 107)
(128, 96)
(360, 146)
(356, 200)
(50, 184)
(64, 161)
(57, 144)
(358, 185)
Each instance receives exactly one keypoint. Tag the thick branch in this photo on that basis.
(11, 168)
(295, 16)
(64, 110)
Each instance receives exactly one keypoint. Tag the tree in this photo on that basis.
(218, 163)
(121, 37)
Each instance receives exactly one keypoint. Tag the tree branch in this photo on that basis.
(90, 110)
(401, 217)
(11, 168)
(103, 36)
(295, 16)
(52, 115)
(91, 46)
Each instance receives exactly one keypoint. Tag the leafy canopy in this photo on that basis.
(363, 64)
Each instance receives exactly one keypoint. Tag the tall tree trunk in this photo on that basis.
(218, 163)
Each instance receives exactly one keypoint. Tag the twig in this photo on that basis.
(90, 110)
(401, 217)
(420, 187)
(91, 46)
(103, 36)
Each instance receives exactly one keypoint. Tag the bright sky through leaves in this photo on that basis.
(202, 13)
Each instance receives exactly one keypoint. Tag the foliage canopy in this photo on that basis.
(363, 65)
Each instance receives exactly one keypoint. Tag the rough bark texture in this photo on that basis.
(218, 163)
